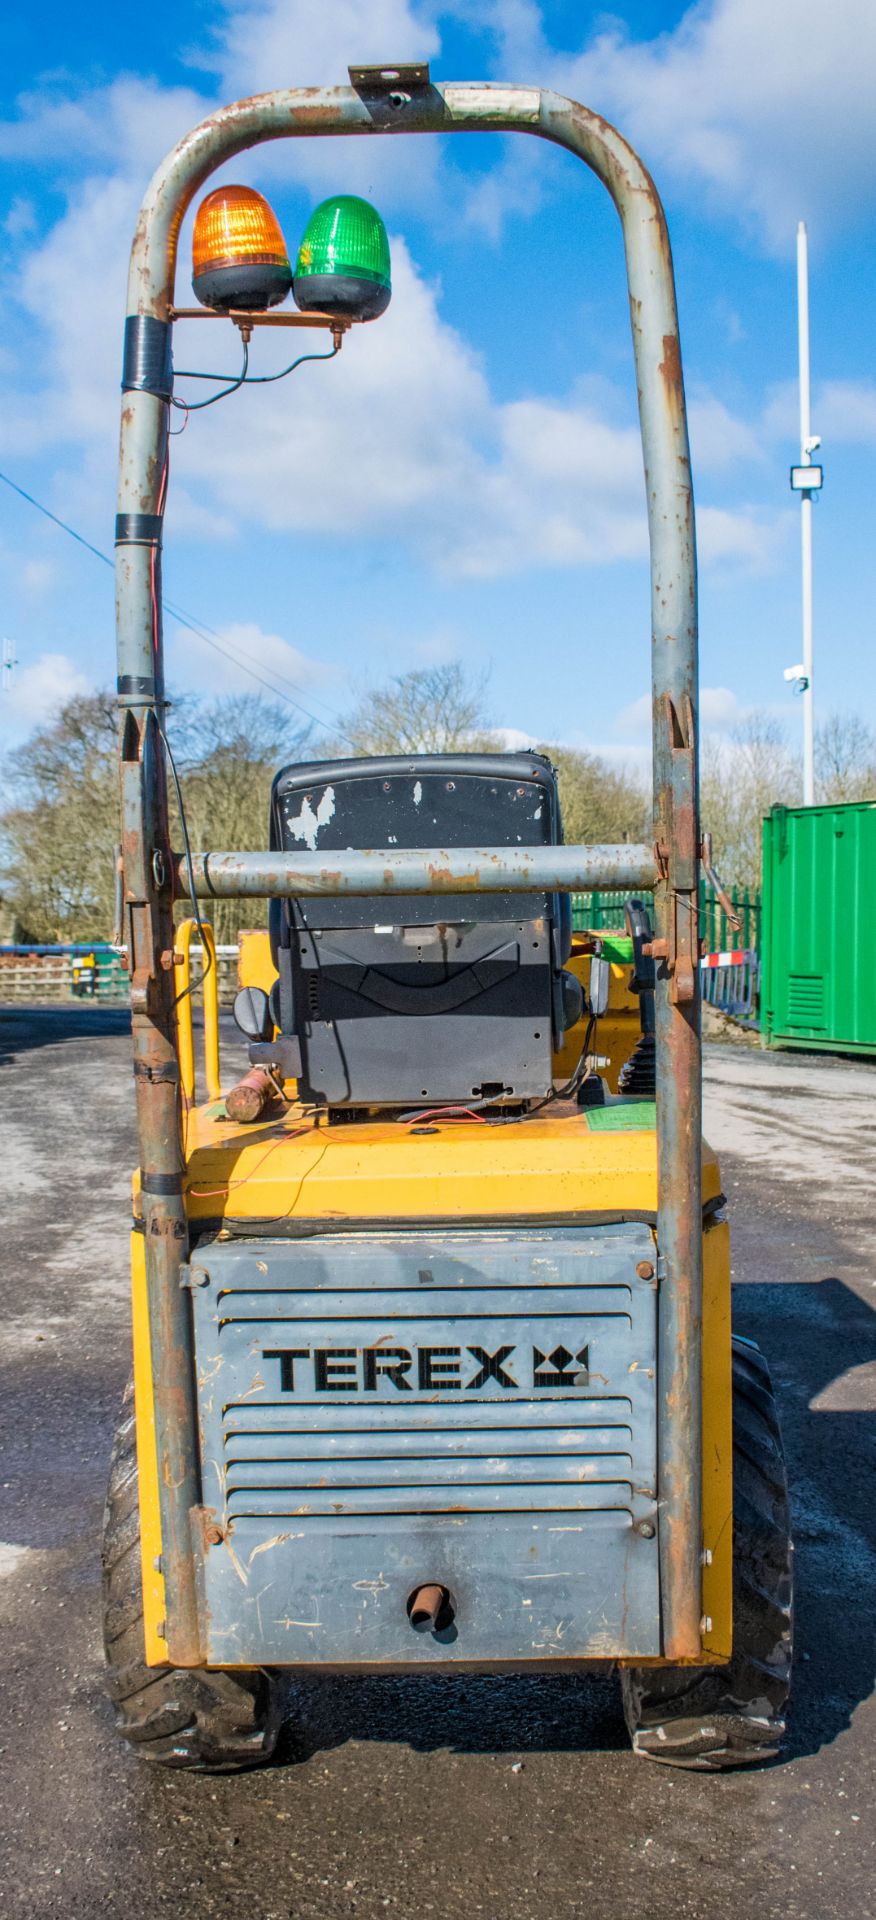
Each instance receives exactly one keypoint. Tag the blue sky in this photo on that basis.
(465, 481)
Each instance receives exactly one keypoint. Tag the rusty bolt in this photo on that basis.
(171, 957)
(656, 949)
(645, 1270)
(213, 1535)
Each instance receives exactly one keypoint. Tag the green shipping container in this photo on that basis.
(818, 977)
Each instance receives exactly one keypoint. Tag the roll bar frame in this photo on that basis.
(370, 108)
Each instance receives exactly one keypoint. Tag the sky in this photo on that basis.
(464, 481)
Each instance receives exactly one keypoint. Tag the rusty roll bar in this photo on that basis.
(367, 109)
(396, 870)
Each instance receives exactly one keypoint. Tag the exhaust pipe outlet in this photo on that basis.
(430, 1609)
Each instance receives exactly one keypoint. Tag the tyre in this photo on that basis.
(733, 1716)
(216, 1722)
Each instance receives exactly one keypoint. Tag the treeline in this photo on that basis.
(59, 822)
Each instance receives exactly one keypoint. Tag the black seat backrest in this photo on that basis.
(420, 998)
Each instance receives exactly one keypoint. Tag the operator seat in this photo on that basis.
(417, 1000)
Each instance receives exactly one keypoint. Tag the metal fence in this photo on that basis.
(730, 981)
(715, 929)
(97, 975)
(604, 911)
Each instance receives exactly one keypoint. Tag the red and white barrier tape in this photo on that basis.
(739, 957)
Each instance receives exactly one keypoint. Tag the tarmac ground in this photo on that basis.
(511, 1798)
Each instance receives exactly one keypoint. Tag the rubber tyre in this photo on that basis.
(208, 1722)
(733, 1716)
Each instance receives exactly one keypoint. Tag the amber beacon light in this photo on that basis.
(239, 257)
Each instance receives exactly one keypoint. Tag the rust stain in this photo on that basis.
(670, 365)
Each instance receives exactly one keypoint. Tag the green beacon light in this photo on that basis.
(343, 261)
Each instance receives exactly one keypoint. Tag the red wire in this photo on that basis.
(446, 1114)
(160, 508)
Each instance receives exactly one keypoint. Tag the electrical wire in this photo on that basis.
(476, 1111)
(79, 537)
(195, 406)
(190, 871)
(188, 621)
(264, 379)
(556, 1094)
(247, 379)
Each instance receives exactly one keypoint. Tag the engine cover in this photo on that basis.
(471, 1409)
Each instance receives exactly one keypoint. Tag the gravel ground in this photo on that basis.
(509, 1798)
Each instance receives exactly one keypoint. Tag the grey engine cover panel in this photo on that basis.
(475, 1409)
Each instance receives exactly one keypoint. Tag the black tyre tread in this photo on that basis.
(202, 1721)
(711, 1718)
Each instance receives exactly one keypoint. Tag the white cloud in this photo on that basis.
(21, 220)
(846, 411)
(770, 108)
(719, 710)
(511, 739)
(401, 438)
(843, 412)
(283, 667)
(294, 43)
(719, 438)
(749, 538)
(38, 577)
(126, 125)
(39, 690)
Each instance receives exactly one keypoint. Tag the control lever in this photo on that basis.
(712, 877)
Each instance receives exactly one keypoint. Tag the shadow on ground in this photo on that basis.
(24, 1029)
(819, 1338)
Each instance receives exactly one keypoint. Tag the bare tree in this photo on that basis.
(61, 823)
(599, 802)
(845, 759)
(740, 780)
(428, 710)
(228, 751)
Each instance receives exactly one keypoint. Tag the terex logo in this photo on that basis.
(427, 1369)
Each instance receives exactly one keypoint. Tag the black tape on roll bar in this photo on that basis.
(135, 686)
(138, 529)
(148, 362)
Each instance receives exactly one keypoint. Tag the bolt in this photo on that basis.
(158, 1563)
(645, 1270)
(161, 1629)
(706, 1557)
(706, 1623)
(214, 1536)
(646, 1528)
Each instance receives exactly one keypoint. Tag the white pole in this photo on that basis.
(805, 512)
